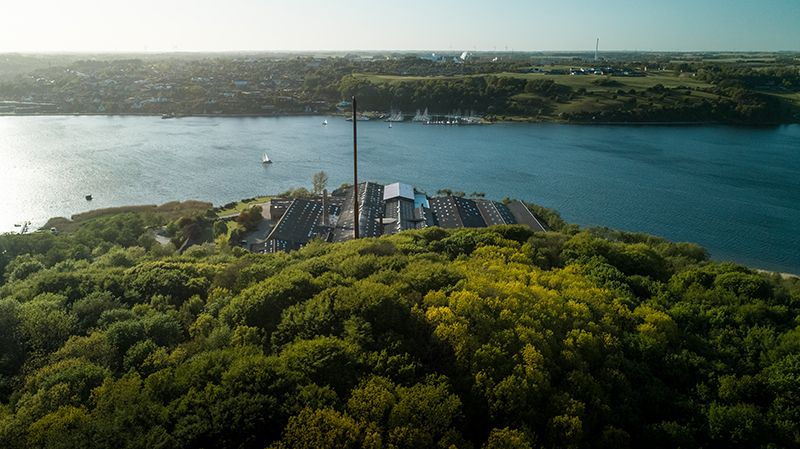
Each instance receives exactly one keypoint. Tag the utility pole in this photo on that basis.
(355, 171)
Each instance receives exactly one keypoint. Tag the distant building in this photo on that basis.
(435, 58)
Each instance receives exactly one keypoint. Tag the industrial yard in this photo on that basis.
(383, 210)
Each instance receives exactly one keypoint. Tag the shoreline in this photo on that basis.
(121, 209)
(784, 275)
(322, 114)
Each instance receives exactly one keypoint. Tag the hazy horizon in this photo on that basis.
(357, 51)
(203, 26)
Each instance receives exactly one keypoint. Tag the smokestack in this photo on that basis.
(355, 171)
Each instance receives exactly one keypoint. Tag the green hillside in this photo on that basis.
(474, 338)
(667, 96)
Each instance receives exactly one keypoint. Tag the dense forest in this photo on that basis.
(471, 338)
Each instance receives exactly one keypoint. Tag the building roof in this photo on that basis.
(399, 215)
(396, 190)
(445, 213)
(455, 212)
(495, 213)
(371, 208)
(298, 224)
(302, 220)
(524, 216)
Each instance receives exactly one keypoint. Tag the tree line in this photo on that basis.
(470, 338)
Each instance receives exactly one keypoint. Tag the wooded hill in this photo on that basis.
(473, 338)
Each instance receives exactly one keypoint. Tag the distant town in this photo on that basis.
(486, 86)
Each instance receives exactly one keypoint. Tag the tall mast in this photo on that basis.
(355, 171)
(596, 48)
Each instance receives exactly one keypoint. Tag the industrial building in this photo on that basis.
(383, 210)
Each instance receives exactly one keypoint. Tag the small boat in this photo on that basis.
(390, 125)
(265, 159)
(88, 197)
(325, 122)
(166, 116)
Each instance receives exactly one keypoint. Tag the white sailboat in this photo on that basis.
(325, 122)
(265, 159)
(395, 116)
(424, 117)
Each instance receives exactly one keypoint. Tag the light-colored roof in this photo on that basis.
(398, 189)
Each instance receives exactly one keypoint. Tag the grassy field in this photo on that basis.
(665, 78)
(242, 205)
(168, 212)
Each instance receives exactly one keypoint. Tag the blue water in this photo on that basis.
(736, 191)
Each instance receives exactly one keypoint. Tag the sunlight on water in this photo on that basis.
(733, 190)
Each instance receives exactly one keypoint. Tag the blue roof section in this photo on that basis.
(421, 200)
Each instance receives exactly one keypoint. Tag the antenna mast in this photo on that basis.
(355, 171)
(596, 48)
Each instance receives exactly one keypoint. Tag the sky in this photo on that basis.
(342, 25)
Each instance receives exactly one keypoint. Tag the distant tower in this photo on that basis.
(596, 48)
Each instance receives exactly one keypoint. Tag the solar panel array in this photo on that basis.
(371, 210)
(297, 226)
(445, 212)
(470, 215)
(495, 213)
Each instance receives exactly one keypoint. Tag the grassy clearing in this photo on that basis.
(239, 206)
(168, 212)
(793, 97)
(667, 79)
(232, 226)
